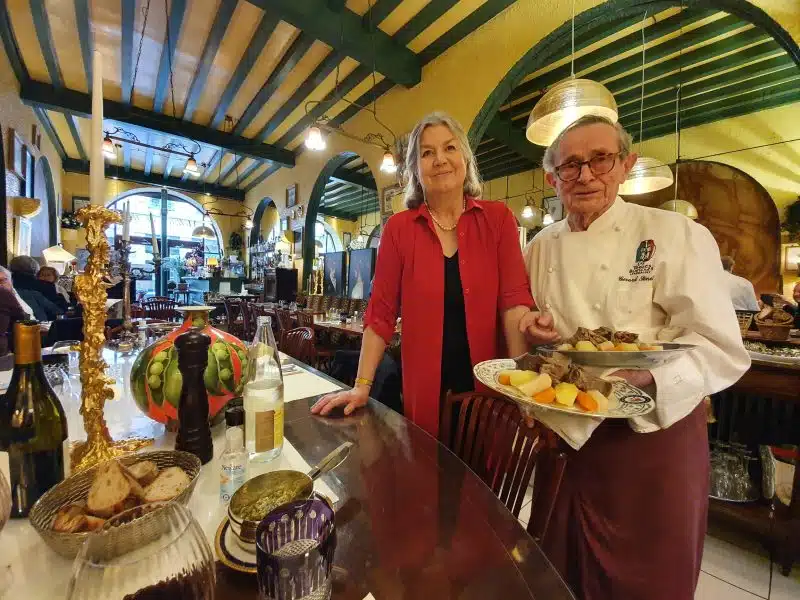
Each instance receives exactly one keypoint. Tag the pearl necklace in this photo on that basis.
(435, 220)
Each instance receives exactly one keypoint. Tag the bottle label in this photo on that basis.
(231, 478)
(269, 430)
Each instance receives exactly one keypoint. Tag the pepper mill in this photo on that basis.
(194, 432)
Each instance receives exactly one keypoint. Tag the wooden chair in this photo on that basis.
(234, 313)
(492, 438)
(305, 319)
(137, 312)
(160, 308)
(252, 312)
(299, 343)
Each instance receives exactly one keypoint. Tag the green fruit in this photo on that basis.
(242, 354)
(225, 374)
(173, 383)
(210, 374)
(218, 346)
(198, 323)
(156, 368)
(162, 356)
(154, 381)
(221, 353)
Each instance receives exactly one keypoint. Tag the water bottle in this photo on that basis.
(263, 396)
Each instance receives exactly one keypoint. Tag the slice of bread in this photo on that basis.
(110, 489)
(137, 491)
(94, 523)
(70, 518)
(145, 472)
(169, 484)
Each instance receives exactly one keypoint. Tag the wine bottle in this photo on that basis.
(33, 426)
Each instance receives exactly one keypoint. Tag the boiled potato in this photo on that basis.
(566, 393)
(504, 377)
(585, 346)
(539, 384)
(623, 347)
(565, 347)
(606, 346)
(602, 401)
(518, 378)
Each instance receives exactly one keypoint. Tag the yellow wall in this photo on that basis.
(366, 225)
(14, 114)
(77, 184)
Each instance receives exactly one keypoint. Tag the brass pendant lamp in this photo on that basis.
(648, 174)
(566, 102)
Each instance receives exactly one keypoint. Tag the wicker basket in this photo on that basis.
(745, 320)
(775, 333)
(76, 489)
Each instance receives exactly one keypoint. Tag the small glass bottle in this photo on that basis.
(232, 464)
(263, 396)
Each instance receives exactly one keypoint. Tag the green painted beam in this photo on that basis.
(510, 170)
(719, 99)
(332, 186)
(654, 53)
(687, 64)
(35, 93)
(346, 196)
(716, 87)
(344, 31)
(422, 20)
(337, 215)
(267, 172)
(379, 10)
(627, 43)
(487, 146)
(712, 71)
(348, 176)
(497, 159)
(72, 165)
(47, 125)
(503, 130)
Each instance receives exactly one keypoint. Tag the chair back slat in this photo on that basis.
(493, 439)
(160, 308)
(305, 319)
(299, 343)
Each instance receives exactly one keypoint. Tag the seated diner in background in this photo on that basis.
(452, 267)
(630, 516)
(743, 295)
(49, 275)
(41, 296)
(11, 311)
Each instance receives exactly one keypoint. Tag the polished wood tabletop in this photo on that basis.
(413, 522)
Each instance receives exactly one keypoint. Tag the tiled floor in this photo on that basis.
(731, 571)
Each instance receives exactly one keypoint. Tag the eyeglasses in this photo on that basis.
(598, 165)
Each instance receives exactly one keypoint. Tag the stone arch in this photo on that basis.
(262, 207)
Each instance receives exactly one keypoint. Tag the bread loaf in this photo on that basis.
(110, 491)
(169, 484)
(145, 472)
(70, 519)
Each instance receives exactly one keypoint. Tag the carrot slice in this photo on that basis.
(545, 397)
(504, 379)
(586, 402)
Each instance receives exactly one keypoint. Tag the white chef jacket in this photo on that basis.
(743, 295)
(640, 269)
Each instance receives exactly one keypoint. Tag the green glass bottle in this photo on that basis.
(33, 426)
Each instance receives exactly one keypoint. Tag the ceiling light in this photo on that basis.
(191, 167)
(683, 207)
(647, 175)
(527, 212)
(565, 103)
(547, 220)
(108, 148)
(203, 232)
(314, 139)
(248, 224)
(388, 165)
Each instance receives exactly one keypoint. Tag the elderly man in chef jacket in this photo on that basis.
(631, 515)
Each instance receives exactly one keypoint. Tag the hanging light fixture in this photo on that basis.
(388, 165)
(527, 212)
(248, 224)
(314, 139)
(568, 101)
(203, 232)
(547, 219)
(191, 167)
(648, 174)
(683, 207)
(108, 148)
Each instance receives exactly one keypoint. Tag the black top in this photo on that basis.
(456, 363)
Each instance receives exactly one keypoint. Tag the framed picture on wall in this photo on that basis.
(362, 267)
(22, 236)
(791, 259)
(297, 248)
(554, 207)
(78, 202)
(333, 284)
(291, 195)
(391, 200)
(16, 154)
(347, 237)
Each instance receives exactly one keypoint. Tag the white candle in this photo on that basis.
(126, 222)
(153, 232)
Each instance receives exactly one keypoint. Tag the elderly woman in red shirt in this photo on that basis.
(452, 267)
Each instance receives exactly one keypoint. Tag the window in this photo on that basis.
(327, 237)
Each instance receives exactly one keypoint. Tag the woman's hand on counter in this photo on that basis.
(350, 399)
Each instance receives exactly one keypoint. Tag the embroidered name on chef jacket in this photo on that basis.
(642, 269)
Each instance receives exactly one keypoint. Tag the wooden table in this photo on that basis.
(413, 522)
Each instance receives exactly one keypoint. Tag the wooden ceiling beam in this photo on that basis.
(422, 20)
(511, 168)
(379, 10)
(71, 165)
(126, 49)
(177, 10)
(35, 93)
(354, 178)
(267, 172)
(47, 125)
(337, 214)
(497, 159)
(344, 32)
(83, 23)
(503, 130)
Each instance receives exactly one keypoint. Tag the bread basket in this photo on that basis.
(76, 489)
(773, 332)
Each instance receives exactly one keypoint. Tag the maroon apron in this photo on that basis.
(630, 520)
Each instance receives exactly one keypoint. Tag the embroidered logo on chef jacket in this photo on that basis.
(642, 269)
